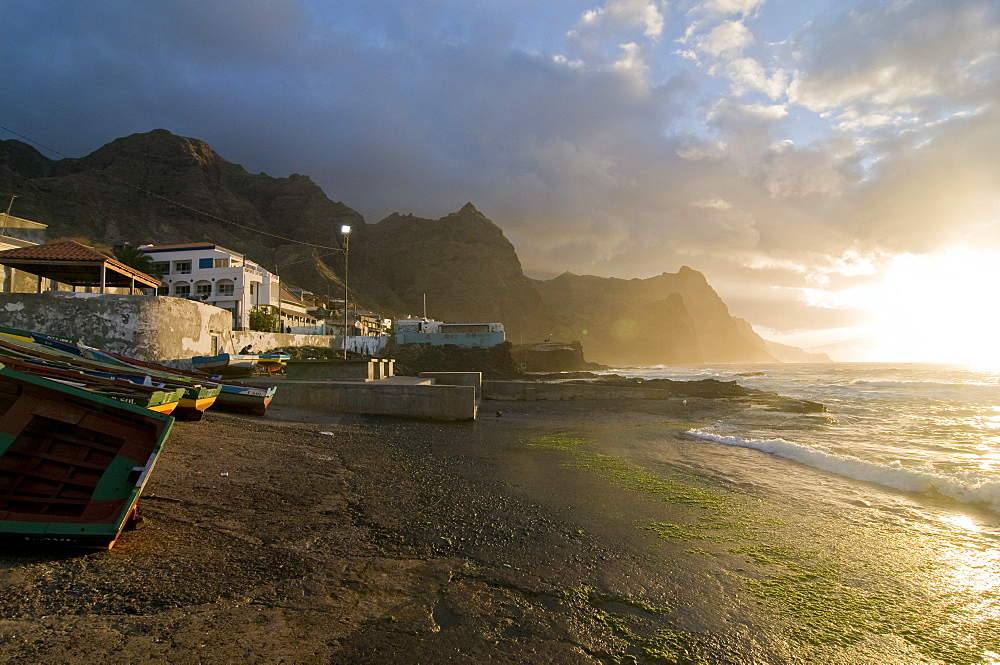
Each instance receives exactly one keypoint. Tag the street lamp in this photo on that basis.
(345, 230)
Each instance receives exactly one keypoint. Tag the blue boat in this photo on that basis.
(227, 364)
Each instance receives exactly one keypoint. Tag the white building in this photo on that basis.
(295, 316)
(215, 275)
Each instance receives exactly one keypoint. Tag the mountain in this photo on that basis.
(157, 187)
(793, 354)
(670, 318)
(462, 264)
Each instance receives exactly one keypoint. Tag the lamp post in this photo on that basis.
(345, 230)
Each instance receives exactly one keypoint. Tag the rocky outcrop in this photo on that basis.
(793, 354)
(552, 357)
(462, 264)
(671, 318)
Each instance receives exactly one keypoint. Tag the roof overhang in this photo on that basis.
(84, 273)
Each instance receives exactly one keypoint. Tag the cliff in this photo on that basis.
(670, 318)
(157, 187)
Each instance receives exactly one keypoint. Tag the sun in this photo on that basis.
(936, 308)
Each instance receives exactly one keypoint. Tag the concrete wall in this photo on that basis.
(147, 327)
(415, 401)
(266, 341)
(156, 328)
(474, 379)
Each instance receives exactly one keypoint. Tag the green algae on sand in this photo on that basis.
(831, 603)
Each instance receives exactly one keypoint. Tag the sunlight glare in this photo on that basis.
(936, 308)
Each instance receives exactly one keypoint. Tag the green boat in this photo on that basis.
(72, 463)
(197, 397)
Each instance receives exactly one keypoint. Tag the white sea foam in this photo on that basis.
(965, 487)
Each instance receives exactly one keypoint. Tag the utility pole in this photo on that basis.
(346, 231)
(6, 215)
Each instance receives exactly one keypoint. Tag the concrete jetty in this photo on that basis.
(433, 396)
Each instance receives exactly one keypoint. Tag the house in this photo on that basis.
(217, 276)
(68, 265)
(294, 314)
(438, 333)
(16, 233)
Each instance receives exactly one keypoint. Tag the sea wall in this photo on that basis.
(155, 328)
(536, 390)
(412, 400)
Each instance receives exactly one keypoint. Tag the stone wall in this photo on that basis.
(156, 328)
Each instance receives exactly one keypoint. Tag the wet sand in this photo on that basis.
(304, 537)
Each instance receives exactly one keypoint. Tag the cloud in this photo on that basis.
(897, 60)
(622, 15)
(587, 136)
(726, 39)
(727, 7)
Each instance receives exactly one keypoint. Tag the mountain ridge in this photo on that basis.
(157, 187)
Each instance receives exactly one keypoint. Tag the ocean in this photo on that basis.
(888, 502)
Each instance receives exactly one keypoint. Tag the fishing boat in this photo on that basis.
(72, 463)
(233, 396)
(227, 364)
(245, 398)
(162, 400)
(273, 362)
(197, 397)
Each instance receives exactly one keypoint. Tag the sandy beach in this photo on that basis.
(305, 537)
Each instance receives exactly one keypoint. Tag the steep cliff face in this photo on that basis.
(161, 188)
(670, 318)
(462, 263)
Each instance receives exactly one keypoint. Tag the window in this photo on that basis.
(182, 267)
(182, 290)
(163, 291)
(161, 267)
(227, 289)
(205, 263)
(203, 289)
(222, 263)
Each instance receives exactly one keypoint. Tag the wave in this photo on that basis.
(966, 488)
(929, 385)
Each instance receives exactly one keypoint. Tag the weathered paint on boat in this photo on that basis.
(240, 398)
(197, 397)
(245, 399)
(227, 364)
(72, 463)
(161, 400)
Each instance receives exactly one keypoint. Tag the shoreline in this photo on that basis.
(305, 537)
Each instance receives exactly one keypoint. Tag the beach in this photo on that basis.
(522, 537)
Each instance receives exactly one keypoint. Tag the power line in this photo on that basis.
(168, 200)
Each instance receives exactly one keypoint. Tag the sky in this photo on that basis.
(831, 166)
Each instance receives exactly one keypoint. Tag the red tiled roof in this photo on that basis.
(66, 250)
(37, 257)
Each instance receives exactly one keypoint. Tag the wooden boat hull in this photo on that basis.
(245, 399)
(161, 400)
(193, 405)
(273, 362)
(227, 364)
(200, 391)
(72, 464)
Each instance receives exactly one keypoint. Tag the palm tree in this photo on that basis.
(135, 258)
